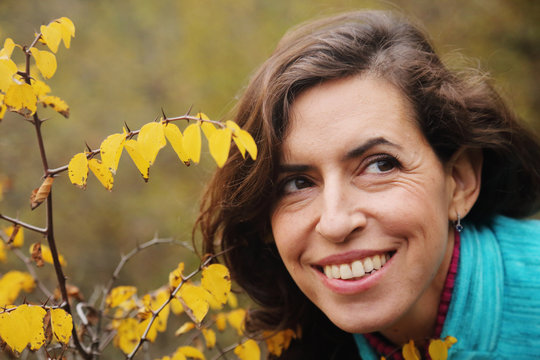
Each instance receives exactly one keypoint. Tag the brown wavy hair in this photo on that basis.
(454, 110)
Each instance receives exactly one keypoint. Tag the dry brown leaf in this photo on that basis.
(36, 254)
(40, 194)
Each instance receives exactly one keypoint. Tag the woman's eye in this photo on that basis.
(382, 165)
(295, 184)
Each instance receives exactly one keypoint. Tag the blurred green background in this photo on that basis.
(131, 58)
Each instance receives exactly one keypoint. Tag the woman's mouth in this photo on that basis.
(356, 269)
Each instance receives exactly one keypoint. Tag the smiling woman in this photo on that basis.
(348, 225)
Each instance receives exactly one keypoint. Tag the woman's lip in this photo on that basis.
(350, 256)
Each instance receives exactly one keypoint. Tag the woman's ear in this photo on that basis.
(465, 172)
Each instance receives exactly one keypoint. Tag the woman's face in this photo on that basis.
(361, 189)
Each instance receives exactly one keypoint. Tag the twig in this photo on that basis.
(24, 225)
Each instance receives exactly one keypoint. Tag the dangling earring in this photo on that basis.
(458, 226)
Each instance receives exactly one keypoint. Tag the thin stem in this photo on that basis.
(24, 225)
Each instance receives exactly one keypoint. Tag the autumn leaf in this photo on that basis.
(78, 170)
(40, 194)
(176, 306)
(186, 327)
(217, 281)
(236, 319)
(194, 300)
(243, 140)
(40, 88)
(15, 234)
(67, 29)
(176, 139)
(277, 342)
(52, 35)
(21, 98)
(208, 129)
(175, 276)
(102, 173)
(111, 151)
(62, 325)
(45, 62)
(56, 104)
(12, 283)
(120, 294)
(151, 139)
(248, 351)
(153, 302)
(127, 335)
(46, 254)
(35, 254)
(209, 338)
(23, 327)
(221, 321)
(143, 165)
(189, 352)
(232, 300)
(7, 70)
(7, 50)
(410, 352)
(192, 142)
(220, 144)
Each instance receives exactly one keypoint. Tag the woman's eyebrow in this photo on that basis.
(362, 148)
(291, 168)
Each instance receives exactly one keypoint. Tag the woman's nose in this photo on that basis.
(340, 214)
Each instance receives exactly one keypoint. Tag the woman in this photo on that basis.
(371, 155)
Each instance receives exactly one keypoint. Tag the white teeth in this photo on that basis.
(357, 268)
(376, 262)
(335, 272)
(345, 271)
(368, 265)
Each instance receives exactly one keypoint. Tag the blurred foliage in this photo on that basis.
(129, 59)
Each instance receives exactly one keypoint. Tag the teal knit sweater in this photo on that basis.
(495, 308)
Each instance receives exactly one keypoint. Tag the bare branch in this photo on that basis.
(24, 225)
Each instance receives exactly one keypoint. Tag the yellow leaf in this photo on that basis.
(58, 105)
(7, 50)
(220, 144)
(176, 306)
(208, 129)
(62, 325)
(11, 285)
(3, 255)
(111, 150)
(449, 341)
(23, 327)
(410, 352)
(243, 140)
(221, 321)
(232, 300)
(217, 281)
(136, 155)
(175, 276)
(67, 28)
(120, 294)
(438, 350)
(3, 109)
(52, 34)
(153, 302)
(209, 338)
(21, 98)
(186, 327)
(277, 342)
(151, 139)
(40, 88)
(78, 170)
(175, 138)
(248, 351)
(190, 352)
(194, 300)
(17, 239)
(192, 142)
(7, 70)
(45, 62)
(46, 254)
(236, 320)
(102, 173)
(127, 335)
(40, 194)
